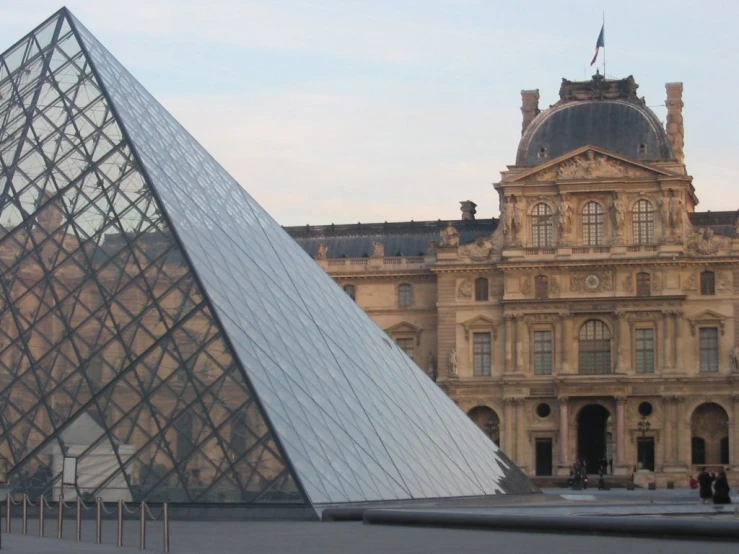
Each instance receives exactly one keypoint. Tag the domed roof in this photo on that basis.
(604, 113)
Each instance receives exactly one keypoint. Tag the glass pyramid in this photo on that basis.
(158, 326)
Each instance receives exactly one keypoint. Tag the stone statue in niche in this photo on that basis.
(518, 220)
(734, 357)
(618, 213)
(431, 367)
(691, 283)
(525, 285)
(676, 213)
(628, 284)
(565, 216)
(507, 217)
(378, 249)
(664, 214)
(322, 253)
(450, 236)
(452, 362)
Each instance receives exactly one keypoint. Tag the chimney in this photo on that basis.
(468, 210)
(675, 129)
(529, 107)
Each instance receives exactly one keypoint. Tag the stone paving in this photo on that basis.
(189, 537)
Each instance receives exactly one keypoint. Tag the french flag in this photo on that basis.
(599, 44)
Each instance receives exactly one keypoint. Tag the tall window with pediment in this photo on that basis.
(594, 348)
(481, 289)
(482, 353)
(642, 222)
(541, 226)
(592, 224)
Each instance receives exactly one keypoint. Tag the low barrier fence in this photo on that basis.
(43, 508)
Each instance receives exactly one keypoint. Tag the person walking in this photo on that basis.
(721, 489)
(704, 487)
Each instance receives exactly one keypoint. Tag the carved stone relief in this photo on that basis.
(724, 284)
(554, 288)
(449, 236)
(583, 281)
(525, 285)
(657, 285)
(691, 283)
(703, 241)
(628, 283)
(482, 249)
(464, 289)
(588, 165)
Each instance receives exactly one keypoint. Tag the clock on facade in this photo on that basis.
(592, 282)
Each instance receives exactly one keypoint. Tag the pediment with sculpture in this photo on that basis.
(589, 162)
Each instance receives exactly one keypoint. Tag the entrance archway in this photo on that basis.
(710, 435)
(487, 420)
(592, 440)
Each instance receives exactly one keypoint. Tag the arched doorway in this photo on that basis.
(709, 435)
(592, 436)
(487, 420)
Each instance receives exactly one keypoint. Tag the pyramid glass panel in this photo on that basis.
(158, 325)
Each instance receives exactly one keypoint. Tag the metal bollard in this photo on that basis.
(142, 527)
(99, 522)
(41, 508)
(165, 516)
(78, 530)
(7, 513)
(60, 519)
(120, 523)
(24, 518)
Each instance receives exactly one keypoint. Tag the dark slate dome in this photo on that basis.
(604, 113)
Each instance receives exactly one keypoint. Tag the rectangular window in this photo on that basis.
(709, 349)
(542, 352)
(644, 349)
(482, 349)
(406, 345)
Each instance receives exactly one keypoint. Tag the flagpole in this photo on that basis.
(604, 45)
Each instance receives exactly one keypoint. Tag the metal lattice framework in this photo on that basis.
(158, 326)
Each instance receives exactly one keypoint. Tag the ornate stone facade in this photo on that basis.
(600, 299)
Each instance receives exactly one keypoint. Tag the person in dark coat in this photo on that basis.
(704, 487)
(721, 489)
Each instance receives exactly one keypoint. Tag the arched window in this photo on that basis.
(643, 284)
(541, 226)
(592, 224)
(351, 290)
(708, 283)
(595, 347)
(405, 296)
(481, 289)
(642, 221)
(541, 286)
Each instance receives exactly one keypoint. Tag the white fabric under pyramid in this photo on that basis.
(148, 290)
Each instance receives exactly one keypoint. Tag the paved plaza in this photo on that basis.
(188, 537)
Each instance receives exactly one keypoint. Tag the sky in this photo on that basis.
(340, 111)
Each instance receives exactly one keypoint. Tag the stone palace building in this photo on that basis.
(595, 318)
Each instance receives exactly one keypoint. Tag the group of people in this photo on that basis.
(713, 488)
(579, 473)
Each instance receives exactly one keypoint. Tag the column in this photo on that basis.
(676, 354)
(668, 437)
(620, 431)
(518, 404)
(734, 438)
(510, 341)
(622, 343)
(665, 354)
(566, 335)
(679, 434)
(564, 426)
(508, 437)
(520, 340)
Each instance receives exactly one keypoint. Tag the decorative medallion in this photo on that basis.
(592, 282)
